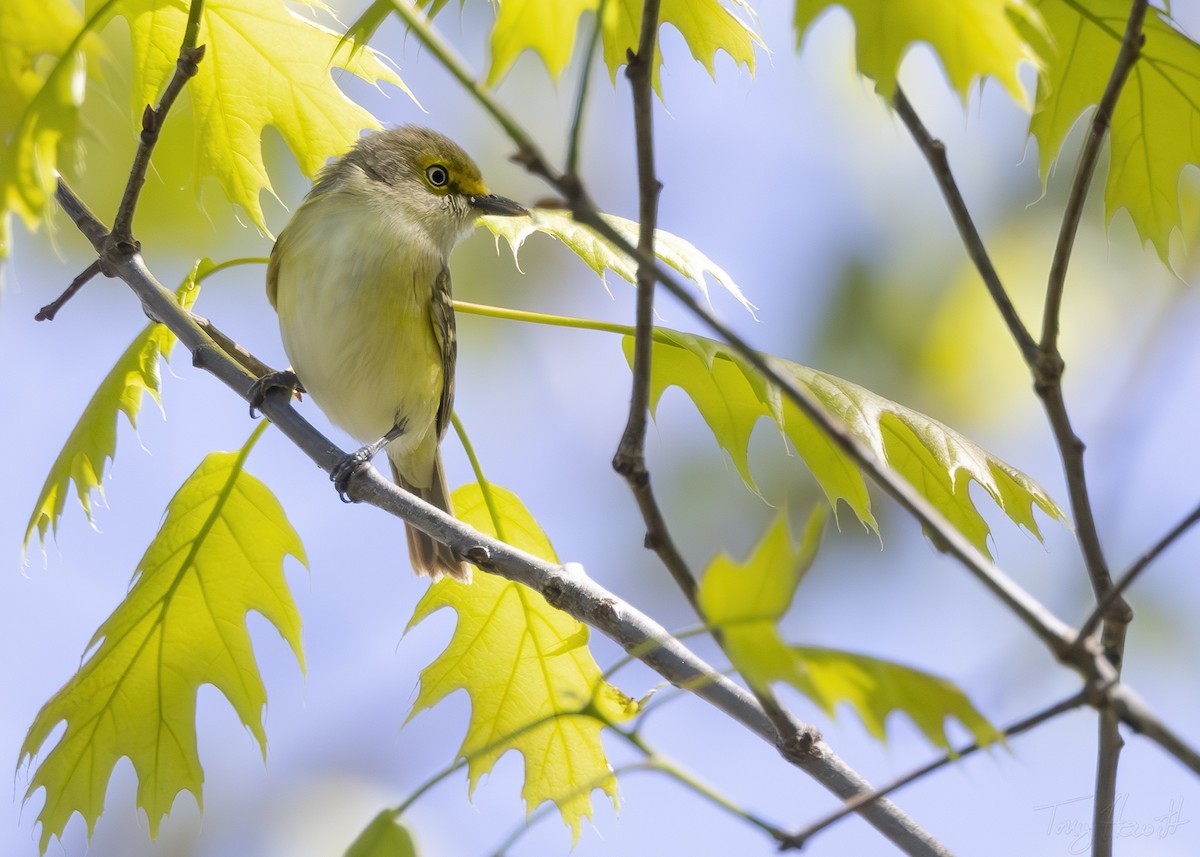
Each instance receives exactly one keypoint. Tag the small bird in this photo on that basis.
(361, 284)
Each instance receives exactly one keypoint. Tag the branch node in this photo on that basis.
(554, 595)
(189, 60)
(798, 746)
(149, 124)
(478, 555)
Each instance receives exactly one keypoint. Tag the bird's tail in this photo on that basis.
(428, 555)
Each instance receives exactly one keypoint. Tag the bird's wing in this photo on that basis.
(441, 316)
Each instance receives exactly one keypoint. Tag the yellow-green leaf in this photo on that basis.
(600, 254)
(218, 555)
(972, 38)
(93, 441)
(875, 688)
(544, 26)
(707, 26)
(44, 62)
(1156, 124)
(383, 837)
(533, 683)
(747, 600)
(264, 65)
(732, 396)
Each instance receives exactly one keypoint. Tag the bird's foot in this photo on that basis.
(344, 470)
(260, 389)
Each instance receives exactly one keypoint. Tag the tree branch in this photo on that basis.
(935, 153)
(1126, 580)
(1048, 372)
(800, 838)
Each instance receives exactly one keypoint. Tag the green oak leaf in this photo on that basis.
(218, 555)
(92, 443)
(732, 396)
(45, 59)
(600, 255)
(1156, 124)
(982, 38)
(290, 61)
(533, 683)
(746, 601)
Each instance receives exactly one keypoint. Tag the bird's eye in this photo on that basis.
(438, 175)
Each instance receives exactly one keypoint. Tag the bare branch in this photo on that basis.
(1132, 711)
(51, 309)
(1126, 580)
(1131, 48)
(799, 839)
(935, 153)
(585, 77)
(1048, 371)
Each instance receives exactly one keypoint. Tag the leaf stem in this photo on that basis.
(485, 487)
(585, 76)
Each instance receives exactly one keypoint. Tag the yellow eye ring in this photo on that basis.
(437, 175)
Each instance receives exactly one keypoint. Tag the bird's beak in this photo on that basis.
(498, 205)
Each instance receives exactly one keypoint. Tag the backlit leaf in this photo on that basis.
(747, 600)
(600, 255)
(264, 65)
(1156, 124)
(93, 441)
(218, 555)
(732, 396)
(44, 61)
(533, 683)
(972, 38)
(549, 29)
(383, 837)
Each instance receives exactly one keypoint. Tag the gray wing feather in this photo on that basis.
(441, 315)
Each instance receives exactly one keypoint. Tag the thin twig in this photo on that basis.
(800, 838)
(630, 459)
(186, 68)
(1048, 369)
(935, 153)
(1127, 57)
(1048, 372)
(1104, 803)
(51, 309)
(1126, 580)
(585, 76)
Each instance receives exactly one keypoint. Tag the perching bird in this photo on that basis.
(361, 284)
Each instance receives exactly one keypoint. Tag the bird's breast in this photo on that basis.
(353, 291)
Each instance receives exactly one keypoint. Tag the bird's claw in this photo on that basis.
(344, 471)
(260, 389)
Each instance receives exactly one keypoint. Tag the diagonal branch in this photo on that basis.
(1135, 571)
(799, 839)
(935, 153)
(119, 242)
